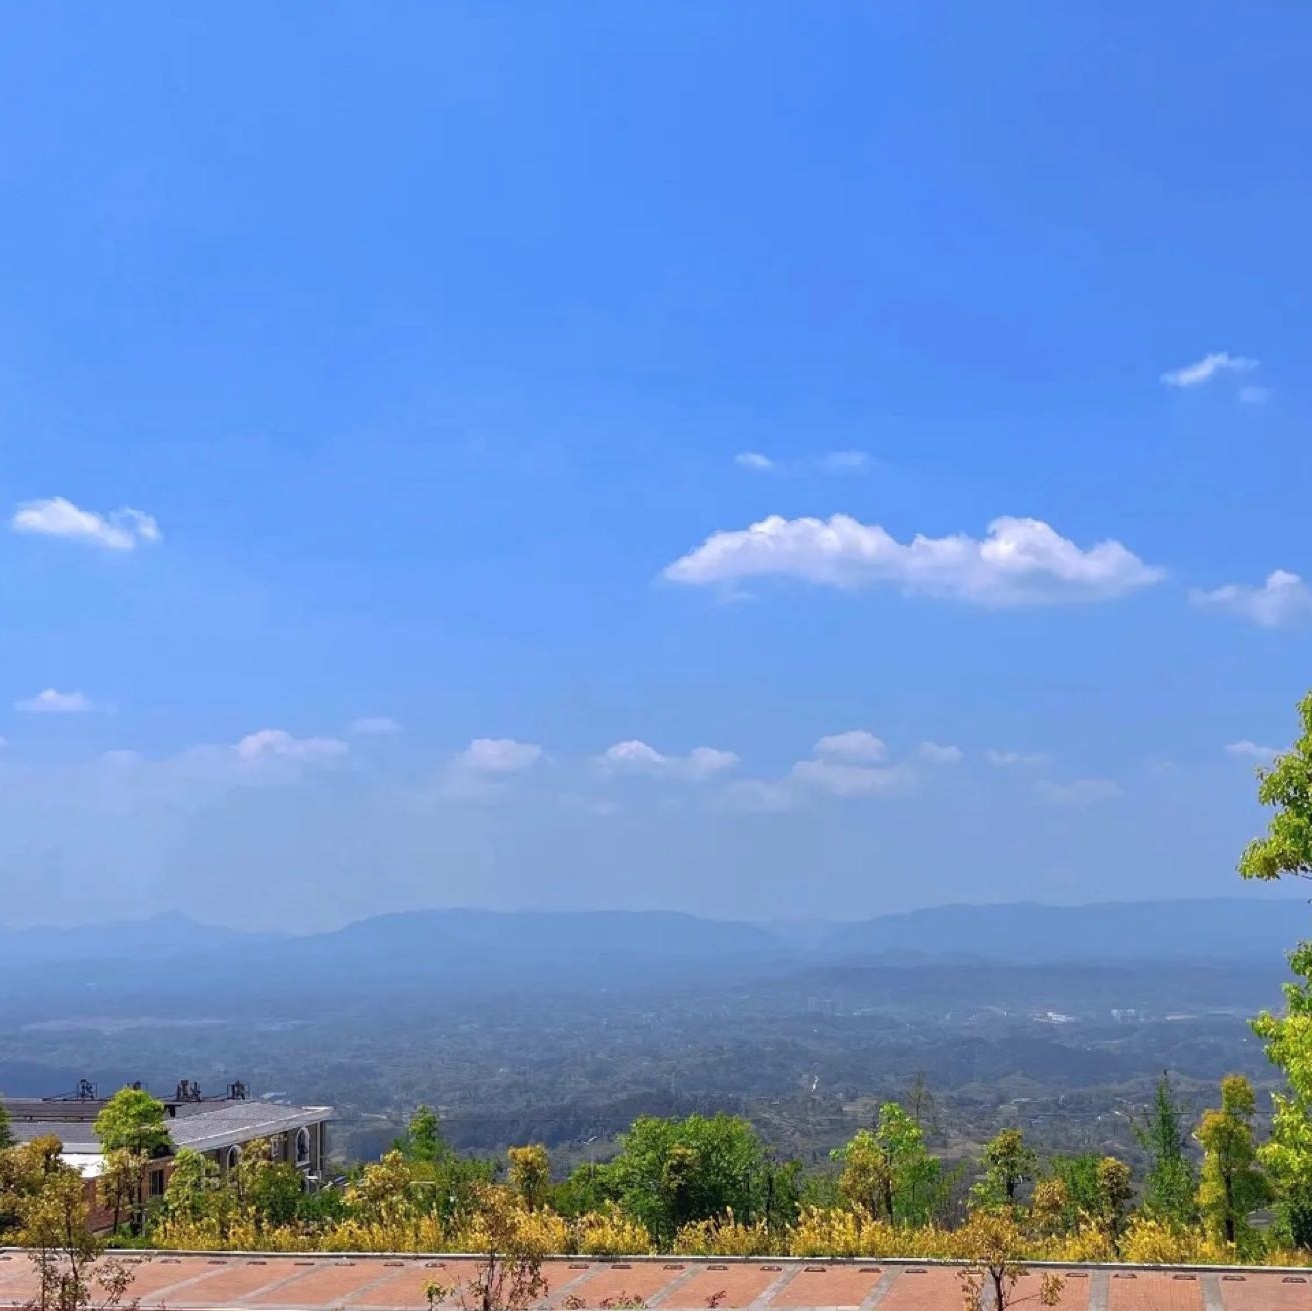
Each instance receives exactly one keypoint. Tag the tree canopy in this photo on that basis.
(1287, 786)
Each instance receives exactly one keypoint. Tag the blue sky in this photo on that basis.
(447, 355)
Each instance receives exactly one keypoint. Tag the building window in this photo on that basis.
(234, 1155)
(157, 1183)
(302, 1147)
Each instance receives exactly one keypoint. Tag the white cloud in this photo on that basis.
(120, 530)
(1020, 562)
(499, 755)
(1191, 375)
(1010, 759)
(831, 462)
(845, 462)
(1255, 395)
(705, 762)
(50, 702)
(856, 745)
(845, 780)
(636, 757)
(940, 755)
(374, 724)
(1283, 598)
(1078, 792)
(480, 772)
(278, 744)
(1251, 751)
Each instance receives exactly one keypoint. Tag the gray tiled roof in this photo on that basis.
(219, 1125)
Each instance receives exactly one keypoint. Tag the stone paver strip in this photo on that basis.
(775, 1288)
(624, 1279)
(670, 1294)
(875, 1297)
(740, 1283)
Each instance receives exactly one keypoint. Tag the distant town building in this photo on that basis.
(218, 1127)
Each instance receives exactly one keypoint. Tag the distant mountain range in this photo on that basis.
(519, 943)
(1215, 929)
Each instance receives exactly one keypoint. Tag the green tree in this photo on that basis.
(446, 1183)
(1232, 1185)
(24, 1170)
(268, 1190)
(888, 1171)
(132, 1120)
(131, 1130)
(1288, 1153)
(1078, 1177)
(1287, 850)
(423, 1141)
(1115, 1185)
(1171, 1185)
(193, 1189)
(119, 1187)
(6, 1131)
(530, 1173)
(1287, 786)
(671, 1172)
(1008, 1163)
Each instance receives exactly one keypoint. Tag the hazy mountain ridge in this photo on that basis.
(1218, 928)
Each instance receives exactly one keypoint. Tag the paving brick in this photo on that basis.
(158, 1273)
(835, 1286)
(364, 1283)
(937, 1289)
(229, 1282)
(1265, 1293)
(1154, 1291)
(741, 1283)
(407, 1285)
(17, 1279)
(643, 1279)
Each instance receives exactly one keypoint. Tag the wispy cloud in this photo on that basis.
(120, 530)
(1284, 598)
(1200, 371)
(1247, 750)
(845, 780)
(1020, 562)
(937, 754)
(481, 770)
(1012, 759)
(855, 745)
(1077, 792)
(278, 744)
(638, 758)
(828, 462)
(845, 462)
(499, 755)
(51, 702)
(374, 725)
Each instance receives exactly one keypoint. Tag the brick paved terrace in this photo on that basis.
(272, 1282)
